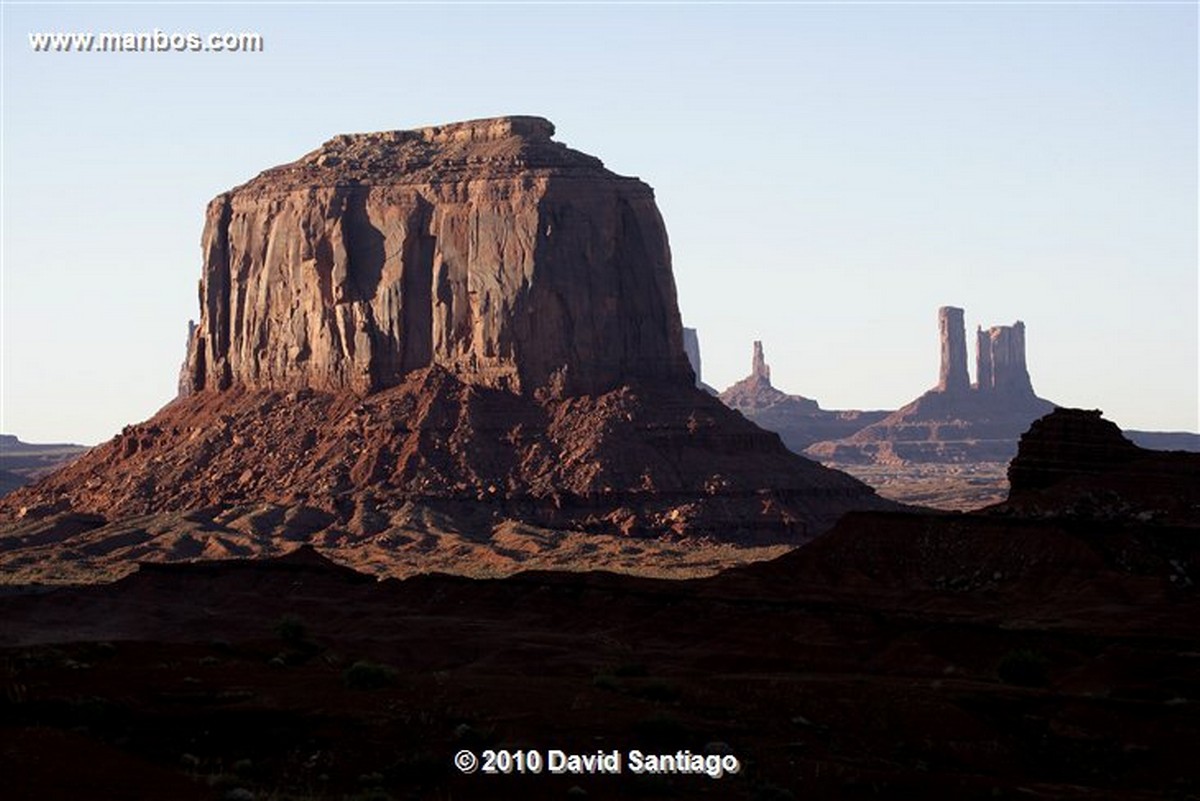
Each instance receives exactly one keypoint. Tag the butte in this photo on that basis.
(470, 321)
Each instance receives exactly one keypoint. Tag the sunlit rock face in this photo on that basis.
(456, 328)
(482, 247)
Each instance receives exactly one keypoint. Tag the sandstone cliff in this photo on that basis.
(1000, 362)
(471, 320)
(483, 247)
(952, 377)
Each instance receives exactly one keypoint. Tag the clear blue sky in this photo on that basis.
(829, 176)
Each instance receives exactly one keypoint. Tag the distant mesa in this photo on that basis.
(23, 462)
(956, 421)
(798, 420)
(1165, 440)
(950, 447)
(470, 321)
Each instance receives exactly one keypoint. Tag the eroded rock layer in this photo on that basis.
(642, 460)
(471, 319)
(482, 247)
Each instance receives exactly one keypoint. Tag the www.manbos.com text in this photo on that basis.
(155, 41)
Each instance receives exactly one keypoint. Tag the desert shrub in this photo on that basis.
(606, 681)
(631, 670)
(363, 675)
(292, 630)
(658, 690)
(1024, 668)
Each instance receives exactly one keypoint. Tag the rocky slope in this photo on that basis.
(943, 656)
(798, 420)
(471, 319)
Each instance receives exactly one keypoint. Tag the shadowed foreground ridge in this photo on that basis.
(1073, 462)
(470, 321)
(1009, 654)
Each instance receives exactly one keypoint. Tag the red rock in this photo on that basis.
(1000, 361)
(954, 422)
(471, 318)
(798, 420)
(482, 247)
(952, 376)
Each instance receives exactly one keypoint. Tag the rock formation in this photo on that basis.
(1068, 443)
(691, 346)
(1000, 361)
(759, 371)
(483, 247)
(469, 319)
(1165, 440)
(798, 420)
(954, 422)
(186, 378)
(952, 377)
(1073, 462)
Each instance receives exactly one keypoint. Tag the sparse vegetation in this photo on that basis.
(606, 681)
(658, 690)
(364, 675)
(293, 631)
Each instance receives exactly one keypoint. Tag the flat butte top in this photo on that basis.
(495, 148)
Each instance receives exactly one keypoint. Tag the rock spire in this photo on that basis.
(952, 376)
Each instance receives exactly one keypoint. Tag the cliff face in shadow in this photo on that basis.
(1044, 650)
